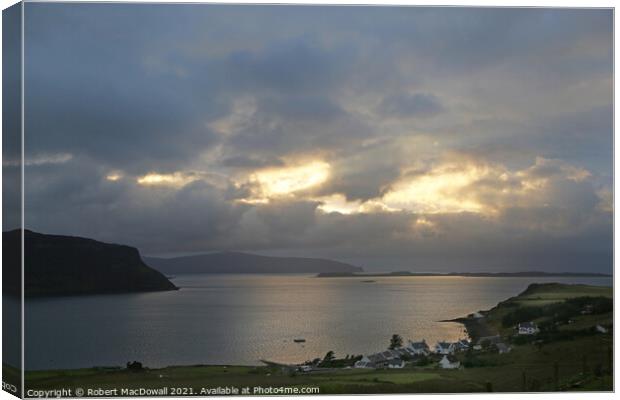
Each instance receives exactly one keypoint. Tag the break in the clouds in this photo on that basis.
(411, 138)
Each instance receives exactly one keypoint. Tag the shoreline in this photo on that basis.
(531, 274)
(475, 328)
(481, 367)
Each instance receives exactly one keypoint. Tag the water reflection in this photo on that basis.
(239, 319)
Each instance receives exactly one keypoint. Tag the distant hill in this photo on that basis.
(240, 263)
(65, 265)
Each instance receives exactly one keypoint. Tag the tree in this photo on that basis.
(396, 341)
(329, 357)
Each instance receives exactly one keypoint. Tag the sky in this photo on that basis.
(422, 139)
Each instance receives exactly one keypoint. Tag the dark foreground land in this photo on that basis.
(56, 265)
(569, 354)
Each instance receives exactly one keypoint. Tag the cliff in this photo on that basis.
(65, 265)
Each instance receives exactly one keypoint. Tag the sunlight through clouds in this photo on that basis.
(441, 191)
(327, 135)
(176, 179)
(278, 182)
(464, 186)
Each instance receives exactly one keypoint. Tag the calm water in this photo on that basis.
(239, 319)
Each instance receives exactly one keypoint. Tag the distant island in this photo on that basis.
(522, 274)
(65, 265)
(245, 263)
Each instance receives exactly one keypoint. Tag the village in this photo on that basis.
(483, 339)
(444, 354)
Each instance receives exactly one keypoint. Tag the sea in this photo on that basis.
(242, 319)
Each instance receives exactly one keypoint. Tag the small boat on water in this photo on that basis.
(300, 340)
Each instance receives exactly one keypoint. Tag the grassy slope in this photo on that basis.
(504, 372)
(543, 294)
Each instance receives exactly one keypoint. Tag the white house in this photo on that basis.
(444, 348)
(527, 328)
(379, 360)
(363, 364)
(601, 329)
(396, 363)
(418, 348)
(449, 362)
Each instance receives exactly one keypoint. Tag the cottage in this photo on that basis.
(449, 362)
(396, 363)
(379, 360)
(527, 328)
(370, 361)
(390, 354)
(363, 364)
(418, 348)
(444, 348)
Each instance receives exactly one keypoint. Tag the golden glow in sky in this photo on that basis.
(114, 176)
(175, 179)
(452, 186)
(440, 191)
(278, 182)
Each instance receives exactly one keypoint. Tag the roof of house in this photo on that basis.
(378, 357)
(418, 345)
(390, 353)
(444, 344)
(386, 355)
(527, 325)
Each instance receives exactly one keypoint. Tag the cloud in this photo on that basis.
(427, 137)
(410, 106)
(39, 160)
(289, 66)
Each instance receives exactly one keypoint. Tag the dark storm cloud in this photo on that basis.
(205, 97)
(290, 67)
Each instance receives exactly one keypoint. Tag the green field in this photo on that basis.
(554, 292)
(581, 363)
